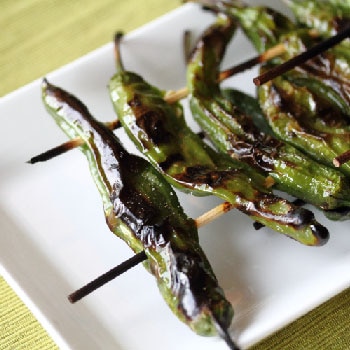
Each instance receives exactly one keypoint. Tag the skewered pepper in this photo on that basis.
(235, 133)
(142, 209)
(297, 114)
(329, 75)
(159, 131)
(309, 106)
(325, 16)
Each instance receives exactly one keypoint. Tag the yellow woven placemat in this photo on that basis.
(38, 36)
(18, 327)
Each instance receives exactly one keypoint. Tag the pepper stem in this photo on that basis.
(117, 52)
(187, 45)
(174, 96)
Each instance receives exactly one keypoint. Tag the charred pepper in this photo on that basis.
(159, 131)
(329, 74)
(142, 209)
(305, 112)
(325, 16)
(235, 133)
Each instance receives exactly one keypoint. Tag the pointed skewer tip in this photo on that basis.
(224, 334)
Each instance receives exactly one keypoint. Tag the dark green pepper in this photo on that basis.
(308, 106)
(262, 25)
(309, 115)
(329, 74)
(159, 131)
(235, 133)
(325, 16)
(305, 121)
(142, 209)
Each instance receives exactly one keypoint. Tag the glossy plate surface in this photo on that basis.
(54, 238)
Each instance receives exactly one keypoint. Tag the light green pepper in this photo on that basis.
(142, 209)
(159, 131)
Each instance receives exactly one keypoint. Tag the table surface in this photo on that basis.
(69, 29)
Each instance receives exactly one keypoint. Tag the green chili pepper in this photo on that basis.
(308, 123)
(329, 74)
(308, 107)
(262, 25)
(249, 106)
(326, 16)
(159, 131)
(312, 117)
(235, 133)
(142, 209)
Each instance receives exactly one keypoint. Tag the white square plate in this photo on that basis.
(54, 238)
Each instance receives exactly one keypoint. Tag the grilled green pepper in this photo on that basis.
(329, 74)
(142, 209)
(262, 25)
(235, 133)
(325, 16)
(305, 113)
(159, 131)
(308, 106)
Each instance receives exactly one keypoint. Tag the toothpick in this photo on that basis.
(303, 57)
(67, 146)
(170, 96)
(174, 96)
(341, 159)
(98, 282)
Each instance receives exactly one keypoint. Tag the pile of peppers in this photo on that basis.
(285, 140)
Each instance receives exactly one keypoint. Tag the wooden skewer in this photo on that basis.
(170, 97)
(274, 51)
(66, 146)
(174, 96)
(341, 159)
(140, 257)
(213, 214)
(303, 57)
(98, 282)
(107, 277)
(187, 45)
(56, 151)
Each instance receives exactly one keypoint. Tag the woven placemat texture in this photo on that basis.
(18, 327)
(38, 36)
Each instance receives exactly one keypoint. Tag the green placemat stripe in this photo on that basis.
(328, 332)
(54, 33)
(15, 315)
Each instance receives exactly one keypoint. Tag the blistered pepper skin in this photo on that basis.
(325, 16)
(234, 133)
(159, 131)
(308, 106)
(142, 209)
